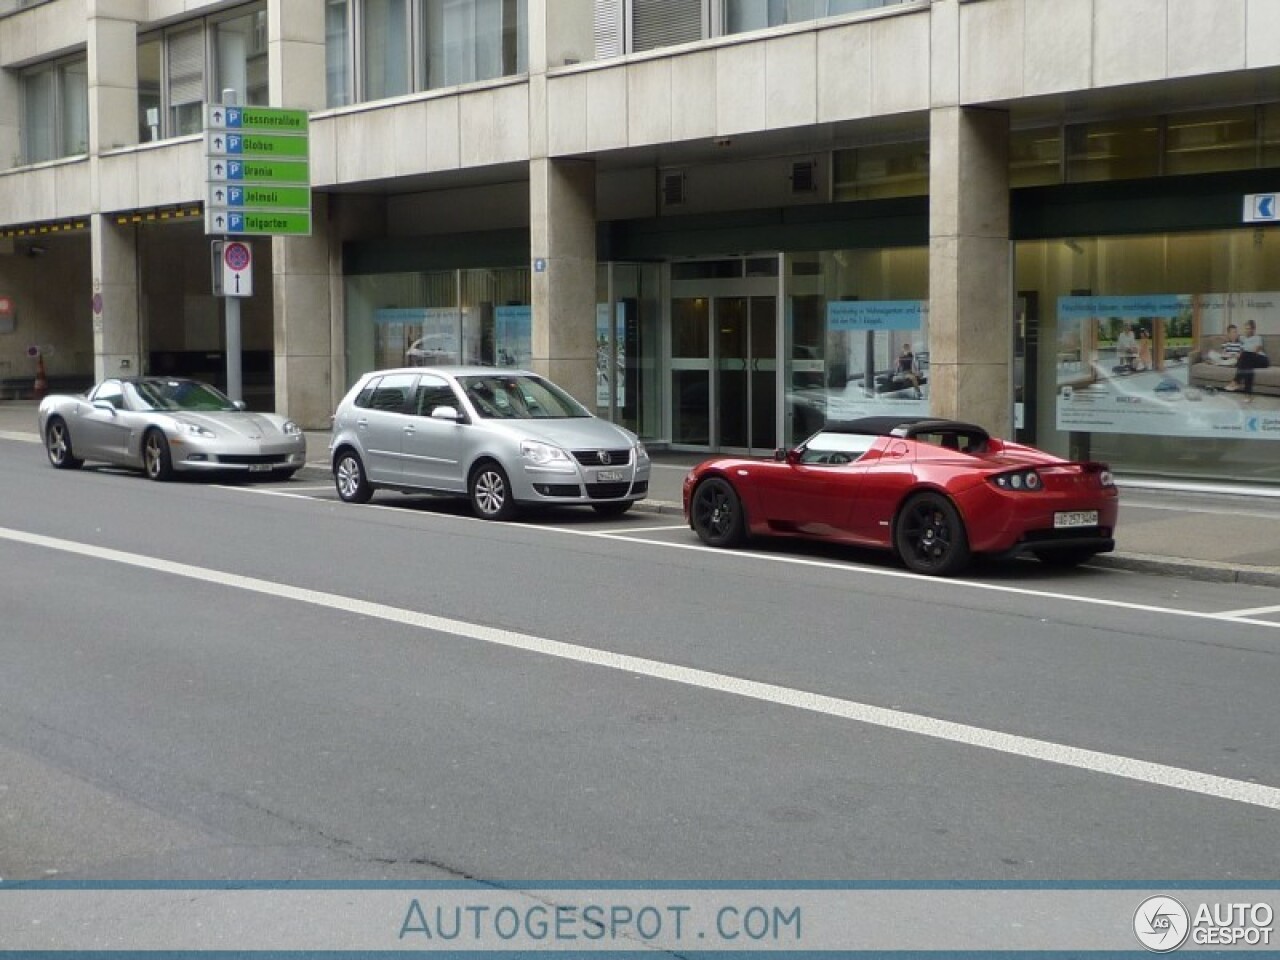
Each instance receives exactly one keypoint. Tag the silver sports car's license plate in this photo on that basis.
(259, 467)
(1076, 518)
(609, 476)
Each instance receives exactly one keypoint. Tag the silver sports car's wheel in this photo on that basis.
(57, 443)
(491, 493)
(348, 476)
(156, 457)
(716, 514)
(930, 536)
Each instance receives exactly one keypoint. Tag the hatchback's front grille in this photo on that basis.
(597, 458)
(241, 459)
(607, 491)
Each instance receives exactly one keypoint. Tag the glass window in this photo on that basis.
(337, 36)
(240, 52)
(884, 170)
(1114, 150)
(185, 81)
(55, 111)
(38, 115)
(385, 48)
(743, 15)
(462, 42)
(1202, 142)
(150, 102)
(1035, 157)
(434, 392)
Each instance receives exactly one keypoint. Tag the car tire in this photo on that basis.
(716, 514)
(349, 478)
(929, 536)
(614, 509)
(490, 492)
(156, 458)
(1066, 559)
(57, 444)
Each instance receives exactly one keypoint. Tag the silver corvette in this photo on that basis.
(165, 425)
(503, 438)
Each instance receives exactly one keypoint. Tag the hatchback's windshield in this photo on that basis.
(158, 394)
(517, 397)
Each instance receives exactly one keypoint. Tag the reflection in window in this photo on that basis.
(1035, 157)
(743, 15)
(1115, 150)
(241, 51)
(1202, 142)
(466, 42)
(185, 83)
(149, 90)
(336, 40)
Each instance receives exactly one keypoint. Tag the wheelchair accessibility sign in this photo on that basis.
(1262, 207)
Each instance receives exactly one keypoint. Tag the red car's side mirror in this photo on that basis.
(783, 455)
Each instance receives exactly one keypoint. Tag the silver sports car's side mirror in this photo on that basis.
(104, 405)
(240, 405)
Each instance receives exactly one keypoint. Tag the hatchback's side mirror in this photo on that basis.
(446, 413)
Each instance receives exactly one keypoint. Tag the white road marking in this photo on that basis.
(1251, 612)
(624, 535)
(1142, 771)
(670, 526)
(23, 437)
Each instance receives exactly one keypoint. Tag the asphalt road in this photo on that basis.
(205, 681)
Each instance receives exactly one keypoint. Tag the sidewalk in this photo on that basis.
(1196, 530)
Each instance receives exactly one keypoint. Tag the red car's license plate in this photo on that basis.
(1075, 518)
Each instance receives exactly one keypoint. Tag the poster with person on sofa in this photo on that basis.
(1186, 365)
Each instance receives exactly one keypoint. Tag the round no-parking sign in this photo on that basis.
(237, 269)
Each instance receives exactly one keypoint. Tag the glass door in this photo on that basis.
(747, 372)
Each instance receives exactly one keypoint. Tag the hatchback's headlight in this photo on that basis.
(195, 430)
(291, 429)
(542, 453)
(642, 455)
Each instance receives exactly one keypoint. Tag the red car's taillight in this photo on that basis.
(1026, 481)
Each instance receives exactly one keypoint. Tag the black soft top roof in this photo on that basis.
(907, 427)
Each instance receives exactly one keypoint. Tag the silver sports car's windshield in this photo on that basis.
(517, 397)
(160, 394)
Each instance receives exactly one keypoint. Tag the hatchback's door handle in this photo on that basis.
(409, 429)
(362, 423)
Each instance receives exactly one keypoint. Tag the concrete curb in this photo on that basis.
(1207, 570)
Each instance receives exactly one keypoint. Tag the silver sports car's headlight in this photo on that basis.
(195, 430)
(542, 453)
(291, 429)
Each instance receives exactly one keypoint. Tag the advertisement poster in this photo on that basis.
(417, 336)
(609, 375)
(877, 356)
(1186, 365)
(513, 335)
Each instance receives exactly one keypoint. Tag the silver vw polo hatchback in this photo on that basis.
(503, 438)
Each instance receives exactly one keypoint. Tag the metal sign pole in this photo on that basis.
(235, 389)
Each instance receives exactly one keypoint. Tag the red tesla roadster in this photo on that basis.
(935, 492)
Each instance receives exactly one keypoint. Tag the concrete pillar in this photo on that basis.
(562, 227)
(302, 267)
(970, 264)
(117, 322)
(304, 341)
(113, 75)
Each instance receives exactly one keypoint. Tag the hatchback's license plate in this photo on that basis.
(1075, 518)
(259, 467)
(609, 476)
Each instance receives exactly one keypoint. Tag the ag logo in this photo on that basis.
(1161, 924)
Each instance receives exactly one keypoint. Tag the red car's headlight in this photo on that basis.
(1021, 480)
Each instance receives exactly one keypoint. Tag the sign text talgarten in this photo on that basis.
(258, 176)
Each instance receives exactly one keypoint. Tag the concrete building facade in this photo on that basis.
(719, 222)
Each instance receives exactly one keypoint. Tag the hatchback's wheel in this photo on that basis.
(491, 493)
(57, 443)
(716, 514)
(930, 536)
(156, 457)
(1065, 559)
(613, 509)
(349, 477)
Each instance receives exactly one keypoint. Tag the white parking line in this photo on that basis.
(24, 437)
(1157, 774)
(670, 526)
